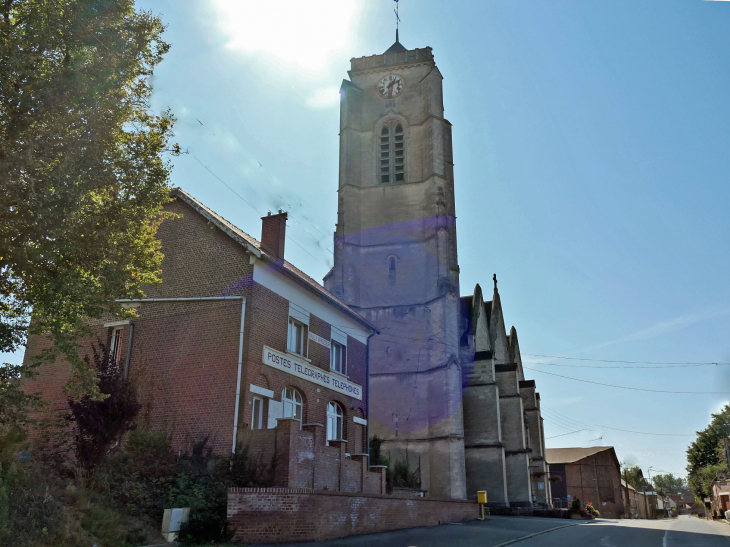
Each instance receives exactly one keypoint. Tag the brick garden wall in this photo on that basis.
(270, 515)
(301, 459)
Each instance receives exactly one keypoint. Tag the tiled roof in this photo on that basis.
(253, 245)
(571, 455)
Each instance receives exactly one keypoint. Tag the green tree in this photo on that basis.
(705, 455)
(631, 475)
(669, 484)
(83, 175)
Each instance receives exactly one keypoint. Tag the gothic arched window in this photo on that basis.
(391, 264)
(392, 153)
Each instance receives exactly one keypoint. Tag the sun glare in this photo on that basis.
(300, 32)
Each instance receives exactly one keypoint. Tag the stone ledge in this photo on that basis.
(310, 491)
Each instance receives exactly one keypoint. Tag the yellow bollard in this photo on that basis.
(482, 499)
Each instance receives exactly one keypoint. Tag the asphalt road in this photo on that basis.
(494, 531)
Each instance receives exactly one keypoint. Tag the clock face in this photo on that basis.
(390, 86)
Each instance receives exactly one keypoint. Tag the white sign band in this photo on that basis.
(315, 375)
(324, 342)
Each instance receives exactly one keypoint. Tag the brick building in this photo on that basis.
(591, 475)
(234, 338)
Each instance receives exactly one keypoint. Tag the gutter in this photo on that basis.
(367, 398)
(238, 379)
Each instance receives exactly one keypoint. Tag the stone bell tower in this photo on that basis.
(396, 259)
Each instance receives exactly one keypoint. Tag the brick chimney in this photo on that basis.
(273, 233)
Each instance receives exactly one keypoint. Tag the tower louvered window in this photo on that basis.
(392, 153)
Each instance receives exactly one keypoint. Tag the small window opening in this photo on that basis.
(391, 265)
(385, 154)
(337, 357)
(293, 403)
(257, 413)
(115, 346)
(399, 154)
(334, 422)
(392, 153)
(298, 337)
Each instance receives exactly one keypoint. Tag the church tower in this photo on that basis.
(395, 258)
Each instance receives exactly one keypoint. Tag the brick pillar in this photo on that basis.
(380, 469)
(362, 459)
(342, 447)
(286, 428)
(319, 438)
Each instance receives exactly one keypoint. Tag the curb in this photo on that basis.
(523, 538)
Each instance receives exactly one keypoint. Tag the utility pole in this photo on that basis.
(727, 453)
(628, 499)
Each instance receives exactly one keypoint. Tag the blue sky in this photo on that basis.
(592, 151)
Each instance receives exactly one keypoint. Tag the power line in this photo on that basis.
(564, 434)
(435, 329)
(633, 388)
(647, 433)
(629, 368)
(630, 362)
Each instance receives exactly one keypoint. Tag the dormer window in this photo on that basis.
(392, 153)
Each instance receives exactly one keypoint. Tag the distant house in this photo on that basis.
(675, 501)
(589, 474)
(720, 498)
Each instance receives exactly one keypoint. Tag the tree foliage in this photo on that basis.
(100, 424)
(632, 475)
(82, 173)
(705, 456)
(669, 484)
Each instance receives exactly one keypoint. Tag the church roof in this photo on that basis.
(397, 47)
(253, 246)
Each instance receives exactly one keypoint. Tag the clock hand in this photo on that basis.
(390, 89)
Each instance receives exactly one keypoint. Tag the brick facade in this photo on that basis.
(592, 479)
(268, 515)
(185, 350)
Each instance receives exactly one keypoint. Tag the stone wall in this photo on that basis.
(272, 515)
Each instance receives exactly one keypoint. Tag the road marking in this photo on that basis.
(523, 538)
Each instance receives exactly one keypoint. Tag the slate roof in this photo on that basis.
(397, 47)
(572, 455)
(254, 247)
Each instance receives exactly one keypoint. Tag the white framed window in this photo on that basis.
(334, 422)
(293, 404)
(257, 413)
(298, 338)
(337, 357)
(115, 345)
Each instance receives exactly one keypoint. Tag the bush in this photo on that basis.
(100, 425)
(403, 477)
(592, 511)
(400, 475)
